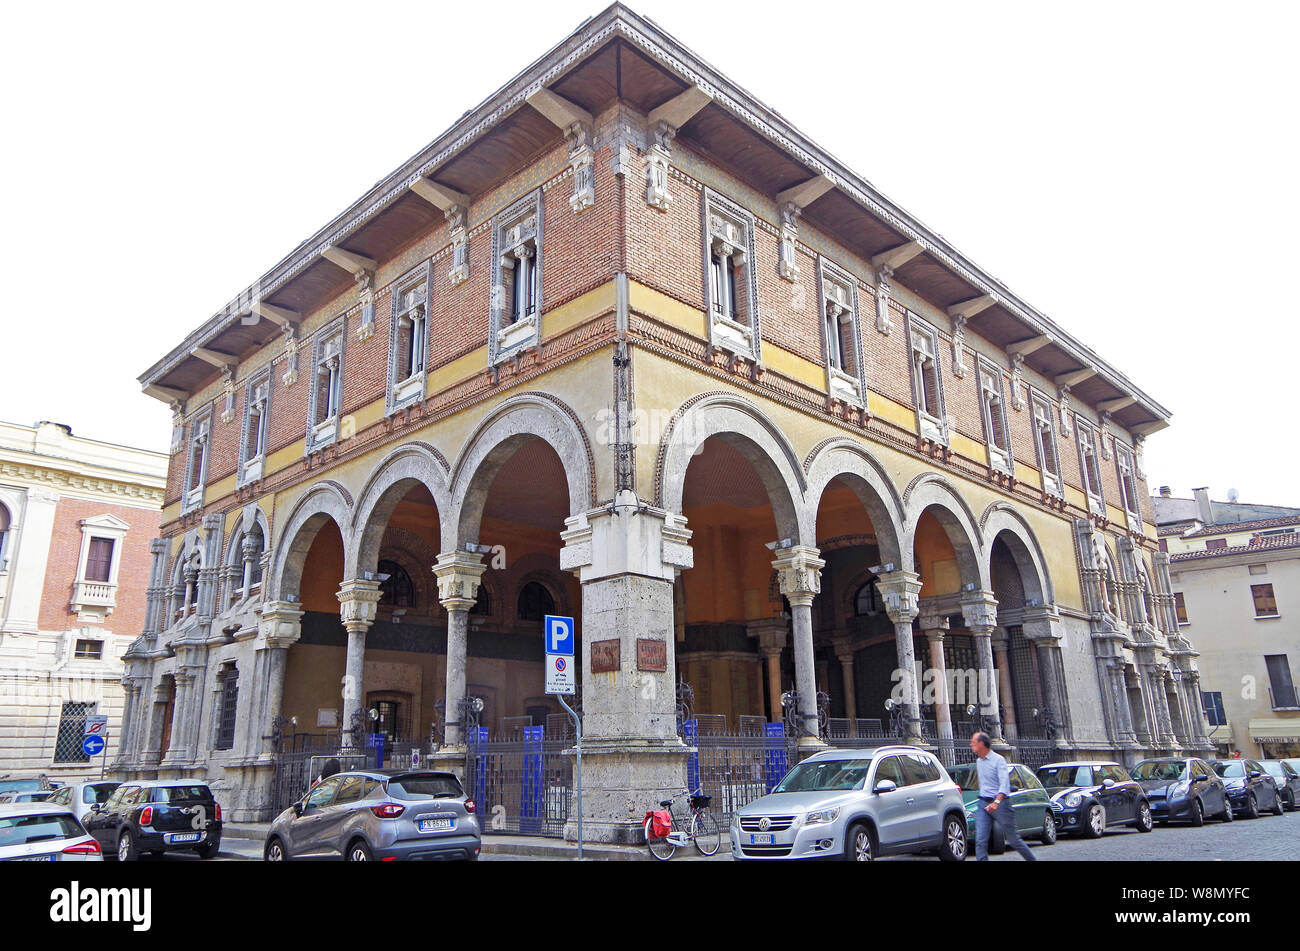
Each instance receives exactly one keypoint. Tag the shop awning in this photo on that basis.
(1275, 730)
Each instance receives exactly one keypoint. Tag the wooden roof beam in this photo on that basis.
(440, 196)
(969, 308)
(283, 316)
(1117, 404)
(1075, 377)
(350, 261)
(806, 193)
(1025, 347)
(222, 361)
(895, 258)
(680, 109)
(557, 109)
(167, 394)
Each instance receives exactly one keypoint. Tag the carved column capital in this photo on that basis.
(799, 573)
(458, 573)
(979, 609)
(358, 603)
(901, 592)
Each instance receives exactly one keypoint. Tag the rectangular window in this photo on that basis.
(1127, 482)
(1265, 603)
(72, 730)
(518, 253)
(1180, 608)
(728, 233)
(408, 347)
(994, 414)
(1049, 462)
(1282, 690)
(926, 386)
(227, 705)
(1088, 465)
(89, 650)
(1214, 544)
(840, 333)
(1277, 531)
(99, 560)
(196, 471)
(1213, 703)
(327, 387)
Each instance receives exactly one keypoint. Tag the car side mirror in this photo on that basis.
(297, 808)
(884, 786)
(1108, 783)
(96, 807)
(1255, 774)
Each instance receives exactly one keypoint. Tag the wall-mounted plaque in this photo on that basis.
(651, 654)
(605, 656)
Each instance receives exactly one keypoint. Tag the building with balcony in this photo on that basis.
(1234, 568)
(624, 345)
(76, 519)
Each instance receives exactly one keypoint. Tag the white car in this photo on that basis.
(40, 832)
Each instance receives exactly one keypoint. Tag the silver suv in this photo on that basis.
(856, 805)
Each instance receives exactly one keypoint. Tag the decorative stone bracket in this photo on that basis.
(628, 536)
(280, 624)
(798, 572)
(979, 609)
(359, 602)
(458, 574)
(901, 592)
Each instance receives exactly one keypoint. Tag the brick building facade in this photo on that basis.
(624, 345)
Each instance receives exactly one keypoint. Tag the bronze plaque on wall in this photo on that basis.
(651, 654)
(604, 656)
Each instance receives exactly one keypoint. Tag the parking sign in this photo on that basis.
(557, 633)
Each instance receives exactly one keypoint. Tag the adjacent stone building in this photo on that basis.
(1235, 571)
(624, 345)
(76, 520)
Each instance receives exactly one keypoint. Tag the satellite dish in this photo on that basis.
(1232, 495)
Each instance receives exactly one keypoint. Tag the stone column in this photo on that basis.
(980, 611)
(358, 605)
(627, 556)
(772, 634)
(459, 574)
(1164, 725)
(1002, 659)
(1199, 728)
(934, 626)
(799, 574)
(900, 590)
(279, 628)
(843, 647)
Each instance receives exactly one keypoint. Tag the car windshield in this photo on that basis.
(1273, 767)
(425, 786)
(17, 785)
(1160, 769)
(97, 793)
(22, 830)
(1230, 770)
(182, 794)
(967, 777)
(1065, 776)
(832, 774)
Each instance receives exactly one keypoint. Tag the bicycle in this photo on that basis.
(701, 830)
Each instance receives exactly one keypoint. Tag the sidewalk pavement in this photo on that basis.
(528, 846)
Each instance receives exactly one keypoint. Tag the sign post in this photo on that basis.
(557, 633)
(95, 738)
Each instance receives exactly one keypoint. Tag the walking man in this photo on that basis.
(995, 788)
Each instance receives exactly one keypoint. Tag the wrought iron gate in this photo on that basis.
(523, 785)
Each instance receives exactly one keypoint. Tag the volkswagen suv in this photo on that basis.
(856, 805)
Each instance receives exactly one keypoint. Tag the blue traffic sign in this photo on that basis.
(558, 634)
(93, 745)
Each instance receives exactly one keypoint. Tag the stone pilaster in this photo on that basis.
(935, 626)
(772, 635)
(901, 590)
(799, 576)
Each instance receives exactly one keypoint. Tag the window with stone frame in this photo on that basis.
(396, 590)
(1089, 465)
(244, 566)
(227, 706)
(1127, 482)
(408, 340)
(731, 287)
(196, 463)
(517, 253)
(72, 731)
(535, 602)
(1265, 601)
(1180, 608)
(927, 384)
(993, 411)
(1049, 460)
(256, 426)
(88, 649)
(325, 402)
(841, 335)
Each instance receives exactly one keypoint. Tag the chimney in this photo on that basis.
(1203, 511)
(1165, 493)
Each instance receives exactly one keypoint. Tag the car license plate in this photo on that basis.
(762, 839)
(39, 858)
(174, 838)
(434, 825)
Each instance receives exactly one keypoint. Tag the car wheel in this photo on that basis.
(126, 851)
(1228, 814)
(858, 846)
(1144, 823)
(1278, 808)
(1049, 828)
(1094, 823)
(1197, 817)
(208, 850)
(274, 851)
(954, 839)
(1290, 802)
(358, 851)
(1252, 807)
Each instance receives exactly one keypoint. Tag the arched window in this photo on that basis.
(398, 589)
(483, 602)
(867, 600)
(535, 602)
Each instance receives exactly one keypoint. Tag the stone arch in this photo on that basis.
(324, 501)
(930, 491)
(412, 464)
(1003, 520)
(861, 472)
(494, 440)
(749, 430)
(252, 515)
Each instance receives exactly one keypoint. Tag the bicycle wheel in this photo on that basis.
(704, 830)
(660, 848)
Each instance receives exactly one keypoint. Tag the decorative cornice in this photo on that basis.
(59, 478)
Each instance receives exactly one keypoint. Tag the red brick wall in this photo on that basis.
(133, 571)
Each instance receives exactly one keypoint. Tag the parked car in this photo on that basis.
(1287, 778)
(856, 805)
(40, 832)
(1250, 789)
(1030, 805)
(1183, 789)
(80, 797)
(29, 795)
(9, 786)
(379, 815)
(157, 816)
(1089, 797)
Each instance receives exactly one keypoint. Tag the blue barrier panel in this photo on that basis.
(376, 742)
(477, 737)
(775, 762)
(532, 782)
(691, 734)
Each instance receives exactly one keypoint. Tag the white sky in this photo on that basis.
(1129, 169)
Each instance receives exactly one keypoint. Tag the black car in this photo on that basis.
(1087, 797)
(1287, 779)
(1183, 789)
(1250, 789)
(157, 816)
